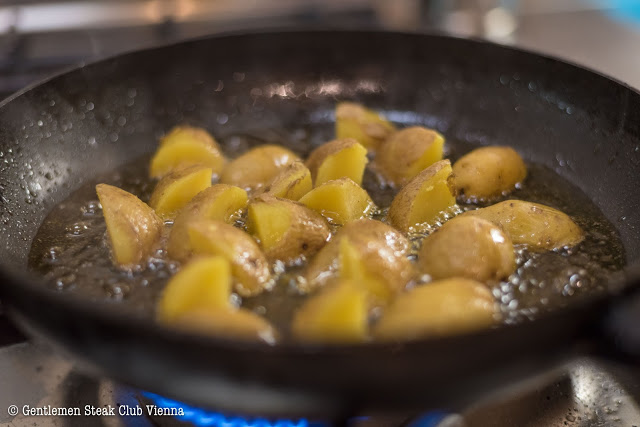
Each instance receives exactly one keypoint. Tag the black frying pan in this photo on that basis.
(82, 123)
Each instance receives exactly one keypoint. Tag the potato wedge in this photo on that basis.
(340, 201)
(292, 183)
(134, 229)
(338, 314)
(537, 226)
(240, 324)
(424, 198)
(444, 307)
(257, 167)
(366, 126)
(337, 159)
(177, 188)
(287, 231)
(352, 266)
(203, 283)
(249, 267)
(220, 202)
(468, 247)
(488, 172)
(186, 146)
(374, 255)
(408, 152)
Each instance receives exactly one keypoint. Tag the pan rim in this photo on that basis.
(29, 282)
(432, 33)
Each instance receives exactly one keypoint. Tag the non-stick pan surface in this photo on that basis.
(56, 135)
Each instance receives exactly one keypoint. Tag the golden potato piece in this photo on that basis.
(340, 201)
(468, 247)
(408, 152)
(339, 158)
(424, 198)
(366, 126)
(338, 314)
(287, 231)
(186, 146)
(203, 283)
(220, 202)
(249, 267)
(537, 226)
(488, 172)
(292, 183)
(177, 188)
(257, 167)
(133, 227)
(368, 252)
(352, 266)
(444, 307)
(240, 324)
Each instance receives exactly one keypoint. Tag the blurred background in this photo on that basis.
(40, 37)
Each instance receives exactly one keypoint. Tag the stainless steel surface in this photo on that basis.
(588, 394)
(35, 376)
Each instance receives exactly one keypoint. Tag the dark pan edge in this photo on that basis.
(32, 289)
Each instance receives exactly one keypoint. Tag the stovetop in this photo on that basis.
(34, 376)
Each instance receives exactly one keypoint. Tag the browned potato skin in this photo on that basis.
(320, 154)
(292, 183)
(384, 253)
(249, 266)
(488, 172)
(307, 234)
(401, 204)
(178, 245)
(402, 150)
(354, 119)
(257, 167)
(536, 226)
(125, 213)
(467, 247)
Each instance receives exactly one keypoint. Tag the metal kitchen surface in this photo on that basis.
(33, 376)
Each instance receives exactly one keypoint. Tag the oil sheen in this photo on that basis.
(71, 249)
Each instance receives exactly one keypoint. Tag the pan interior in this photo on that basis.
(69, 133)
(71, 249)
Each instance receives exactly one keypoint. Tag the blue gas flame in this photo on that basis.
(206, 418)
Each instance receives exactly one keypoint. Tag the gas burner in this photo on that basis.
(156, 406)
(184, 414)
(33, 375)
